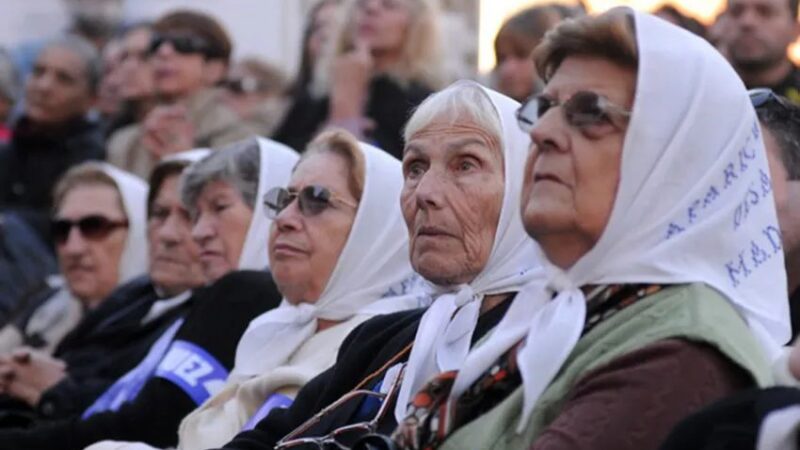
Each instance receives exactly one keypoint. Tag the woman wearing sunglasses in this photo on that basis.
(648, 192)
(99, 231)
(223, 193)
(339, 256)
(463, 171)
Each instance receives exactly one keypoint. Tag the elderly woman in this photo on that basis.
(187, 363)
(463, 171)
(223, 193)
(664, 287)
(99, 231)
(383, 60)
(339, 255)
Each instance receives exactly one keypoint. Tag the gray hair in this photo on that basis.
(459, 101)
(86, 52)
(238, 164)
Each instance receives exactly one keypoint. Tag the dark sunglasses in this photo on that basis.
(343, 437)
(182, 43)
(312, 200)
(582, 111)
(92, 227)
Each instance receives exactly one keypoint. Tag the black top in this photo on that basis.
(32, 163)
(789, 87)
(794, 313)
(389, 105)
(365, 350)
(733, 423)
(108, 342)
(216, 322)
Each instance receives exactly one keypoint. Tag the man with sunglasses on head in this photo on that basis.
(189, 53)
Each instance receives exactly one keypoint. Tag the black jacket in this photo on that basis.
(366, 350)
(389, 105)
(109, 341)
(216, 322)
(33, 161)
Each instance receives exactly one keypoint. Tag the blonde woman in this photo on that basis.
(383, 58)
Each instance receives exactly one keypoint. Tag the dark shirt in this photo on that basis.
(32, 163)
(389, 105)
(218, 319)
(365, 350)
(789, 87)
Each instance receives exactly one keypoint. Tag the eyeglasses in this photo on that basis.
(344, 437)
(183, 43)
(312, 200)
(583, 111)
(94, 227)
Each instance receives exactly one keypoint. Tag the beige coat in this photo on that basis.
(215, 125)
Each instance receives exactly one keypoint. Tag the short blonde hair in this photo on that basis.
(610, 35)
(86, 174)
(422, 58)
(345, 145)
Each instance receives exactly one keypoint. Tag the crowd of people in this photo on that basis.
(595, 247)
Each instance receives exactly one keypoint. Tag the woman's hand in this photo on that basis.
(167, 130)
(350, 77)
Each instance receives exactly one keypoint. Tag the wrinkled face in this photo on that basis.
(759, 31)
(174, 256)
(571, 176)
(303, 250)
(178, 75)
(383, 24)
(786, 193)
(136, 72)
(91, 266)
(220, 228)
(515, 72)
(108, 93)
(451, 200)
(57, 90)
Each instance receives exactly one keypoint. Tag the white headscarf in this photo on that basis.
(445, 331)
(133, 191)
(694, 204)
(366, 280)
(275, 169)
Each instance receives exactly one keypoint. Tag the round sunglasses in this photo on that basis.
(93, 227)
(582, 111)
(312, 200)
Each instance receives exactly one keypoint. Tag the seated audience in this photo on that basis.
(514, 75)
(191, 360)
(124, 326)
(384, 58)
(463, 170)
(99, 229)
(661, 291)
(53, 133)
(189, 53)
(224, 194)
(255, 90)
(353, 265)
